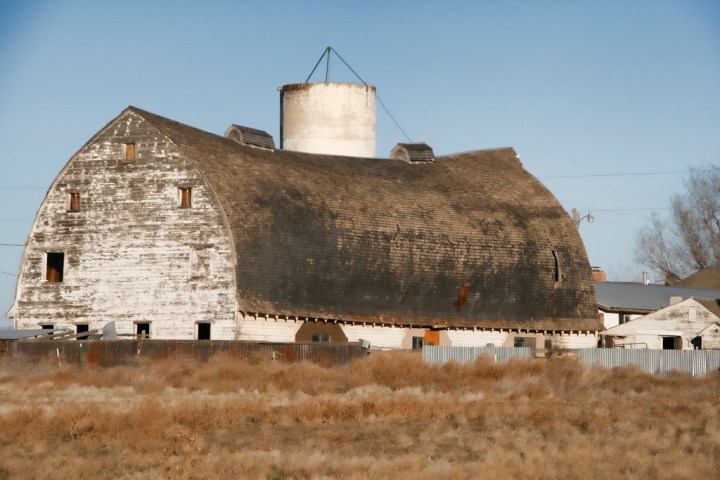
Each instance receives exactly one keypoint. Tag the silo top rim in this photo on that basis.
(303, 86)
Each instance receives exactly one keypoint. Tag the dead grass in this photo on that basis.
(388, 416)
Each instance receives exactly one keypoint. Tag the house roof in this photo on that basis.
(705, 278)
(711, 304)
(381, 240)
(637, 297)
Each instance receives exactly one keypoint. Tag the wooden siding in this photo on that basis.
(128, 251)
(711, 337)
(687, 319)
(260, 329)
(471, 338)
(574, 340)
(330, 332)
(380, 337)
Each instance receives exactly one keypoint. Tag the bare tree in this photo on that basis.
(690, 239)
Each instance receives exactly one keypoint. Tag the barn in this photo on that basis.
(178, 233)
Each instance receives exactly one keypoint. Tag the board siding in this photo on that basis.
(128, 250)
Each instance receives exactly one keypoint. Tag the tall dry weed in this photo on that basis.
(385, 416)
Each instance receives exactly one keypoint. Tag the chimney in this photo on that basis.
(598, 275)
(646, 281)
(674, 300)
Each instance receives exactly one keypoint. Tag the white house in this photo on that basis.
(687, 325)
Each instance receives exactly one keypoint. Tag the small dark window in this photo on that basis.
(55, 267)
(320, 338)
(185, 197)
(143, 330)
(47, 326)
(524, 342)
(417, 342)
(672, 343)
(81, 327)
(129, 152)
(203, 331)
(557, 273)
(73, 202)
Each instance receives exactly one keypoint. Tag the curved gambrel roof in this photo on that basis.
(470, 240)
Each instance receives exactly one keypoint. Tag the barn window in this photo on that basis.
(55, 267)
(81, 328)
(200, 262)
(129, 153)
(557, 268)
(73, 202)
(321, 338)
(417, 342)
(524, 342)
(184, 197)
(203, 331)
(142, 329)
(47, 326)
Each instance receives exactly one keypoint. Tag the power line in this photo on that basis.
(326, 53)
(8, 273)
(12, 245)
(614, 175)
(7, 187)
(628, 209)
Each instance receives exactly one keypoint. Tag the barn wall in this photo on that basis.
(407, 342)
(471, 338)
(131, 253)
(574, 340)
(611, 319)
(270, 329)
(380, 337)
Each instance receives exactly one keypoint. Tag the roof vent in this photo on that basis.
(250, 137)
(413, 153)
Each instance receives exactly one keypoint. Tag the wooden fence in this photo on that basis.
(108, 353)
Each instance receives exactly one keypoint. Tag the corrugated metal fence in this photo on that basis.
(692, 362)
(439, 355)
(107, 353)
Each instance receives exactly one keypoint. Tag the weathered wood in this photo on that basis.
(128, 251)
(179, 228)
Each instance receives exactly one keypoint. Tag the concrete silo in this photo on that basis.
(330, 117)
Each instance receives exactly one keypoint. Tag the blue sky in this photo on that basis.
(579, 89)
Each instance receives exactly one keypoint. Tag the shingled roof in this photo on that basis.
(381, 240)
(704, 278)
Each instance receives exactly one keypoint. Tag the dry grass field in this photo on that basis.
(388, 416)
